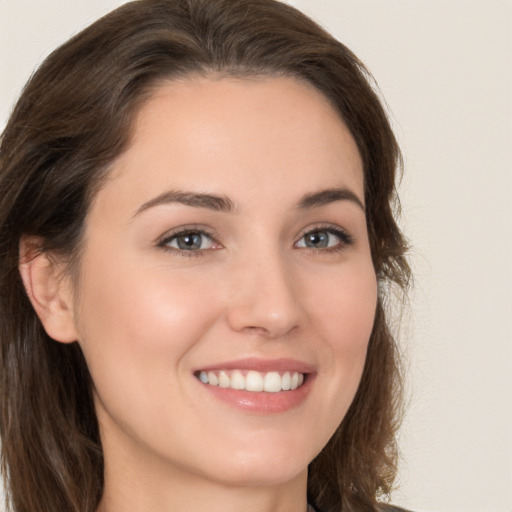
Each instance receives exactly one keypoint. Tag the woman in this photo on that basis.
(197, 242)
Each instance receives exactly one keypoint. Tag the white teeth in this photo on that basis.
(237, 380)
(270, 382)
(224, 381)
(254, 381)
(295, 380)
(286, 381)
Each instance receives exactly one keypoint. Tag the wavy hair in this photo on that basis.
(74, 117)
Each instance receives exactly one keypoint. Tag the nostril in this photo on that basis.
(269, 331)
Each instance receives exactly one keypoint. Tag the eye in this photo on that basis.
(325, 238)
(189, 240)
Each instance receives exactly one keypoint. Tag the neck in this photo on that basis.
(194, 497)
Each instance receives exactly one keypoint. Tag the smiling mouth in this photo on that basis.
(270, 382)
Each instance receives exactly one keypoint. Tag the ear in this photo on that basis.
(49, 290)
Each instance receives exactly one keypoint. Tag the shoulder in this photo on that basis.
(390, 508)
(383, 507)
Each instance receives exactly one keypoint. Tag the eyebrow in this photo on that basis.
(327, 196)
(225, 204)
(208, 201)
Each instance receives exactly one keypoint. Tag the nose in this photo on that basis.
(265, 298)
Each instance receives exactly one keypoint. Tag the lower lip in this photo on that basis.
(262, 402)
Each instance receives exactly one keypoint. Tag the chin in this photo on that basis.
(248, 474)
(261, 467)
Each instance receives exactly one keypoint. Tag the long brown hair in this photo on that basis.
(72, 120)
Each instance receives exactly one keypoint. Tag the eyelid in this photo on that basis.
(164, 239)
(346, 239)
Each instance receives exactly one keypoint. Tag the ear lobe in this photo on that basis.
(49, 291)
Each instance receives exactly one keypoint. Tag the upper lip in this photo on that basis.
(262, 365)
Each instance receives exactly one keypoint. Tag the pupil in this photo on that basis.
(317, 239)
(190, 241)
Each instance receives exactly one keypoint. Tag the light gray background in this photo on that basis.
(444, 67)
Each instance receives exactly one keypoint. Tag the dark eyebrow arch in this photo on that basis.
(327, 196)
(209, 201)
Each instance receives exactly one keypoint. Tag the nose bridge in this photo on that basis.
(264, 297)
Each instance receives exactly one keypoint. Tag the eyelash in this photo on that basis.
(169, 237)
(345, 240)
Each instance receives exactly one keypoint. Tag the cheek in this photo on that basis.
(136, 327)
(132, 306)
(137, 330)
(345, 316)
(346, 308)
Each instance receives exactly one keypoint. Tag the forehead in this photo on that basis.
(216, 134)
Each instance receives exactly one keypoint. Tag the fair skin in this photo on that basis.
(214, 247)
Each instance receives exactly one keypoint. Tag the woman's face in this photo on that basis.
(228, 250)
